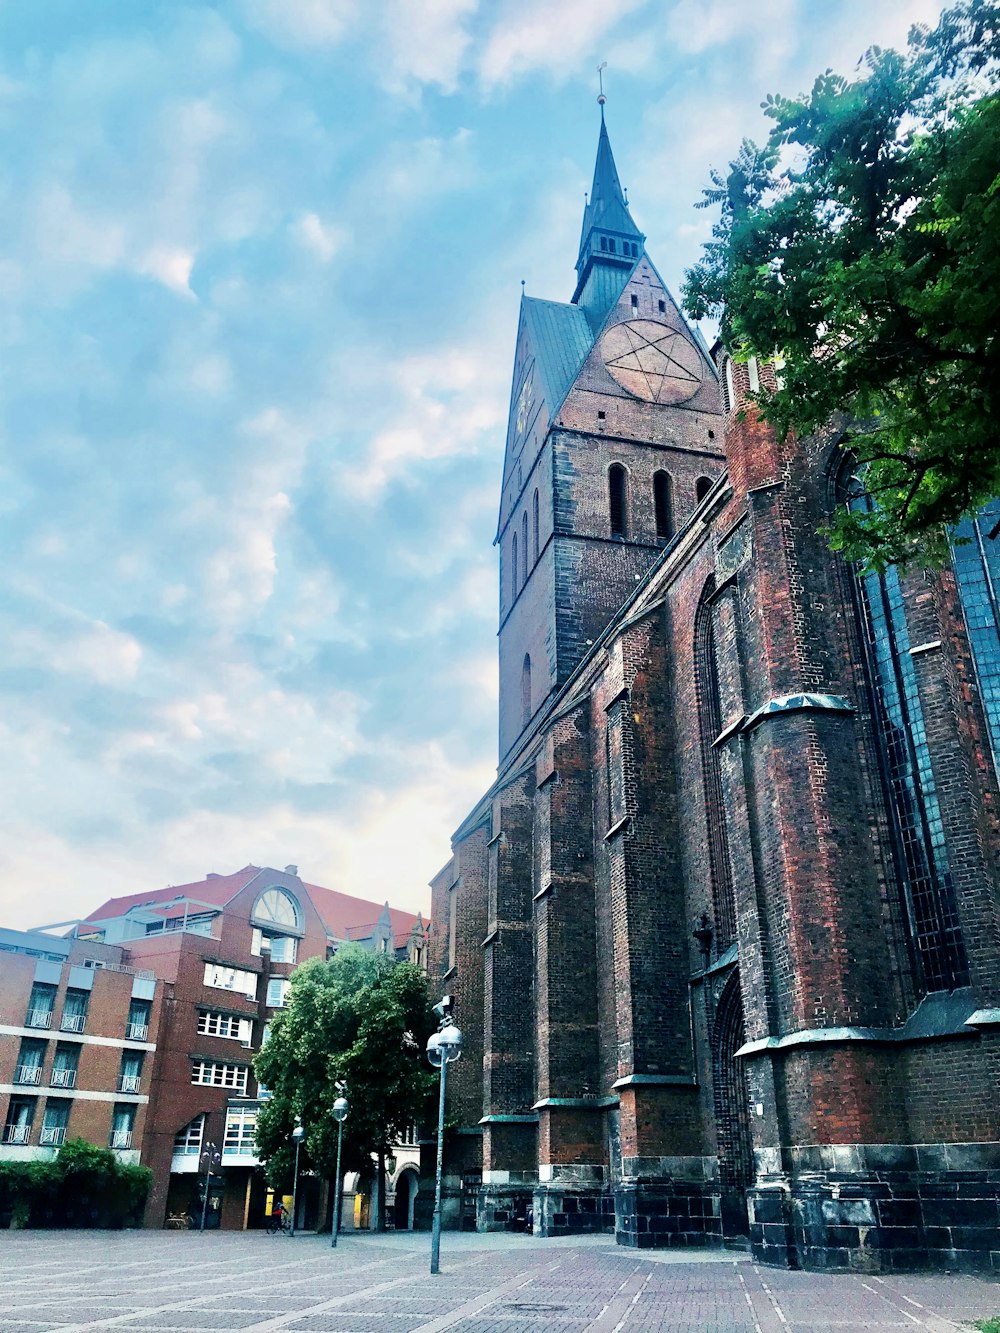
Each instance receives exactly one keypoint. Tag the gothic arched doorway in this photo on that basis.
(732, 1109)
(406, 1193)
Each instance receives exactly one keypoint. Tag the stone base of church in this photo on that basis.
(505, 1200)
(669, 1202)
(880, 1208)
(572, 1200)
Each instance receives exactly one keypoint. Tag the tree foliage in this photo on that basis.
(860, 247)
(361, 1018)
(82, 1186)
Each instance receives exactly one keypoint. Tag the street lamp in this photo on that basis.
(298, 1134)
(209, 1158)
(443, 1047)
(340, 1110)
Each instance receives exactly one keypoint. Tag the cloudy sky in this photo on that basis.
(260, 263)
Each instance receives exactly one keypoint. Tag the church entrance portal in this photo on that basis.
(406, 1191)
(732, 1110)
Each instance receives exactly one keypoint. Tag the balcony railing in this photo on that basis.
(16, 1133)
(39, 1018)
(129, 1082)
(138, 1031)
(120, 1138)
(63, 1078)
(28, 1074)
(52, 1135)
(72, 1022)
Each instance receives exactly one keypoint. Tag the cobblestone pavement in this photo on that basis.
(181, 1282)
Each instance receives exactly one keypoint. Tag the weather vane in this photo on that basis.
(601, 99)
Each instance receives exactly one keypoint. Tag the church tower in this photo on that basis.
(614, 438)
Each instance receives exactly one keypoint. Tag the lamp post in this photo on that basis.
(209, 1158)
(340, 1110)
(298, 1134)
(443, 1047)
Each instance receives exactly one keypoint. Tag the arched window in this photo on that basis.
(662, 505)
(915, 812)
(534, 520)
(616, 499)
(702, 487)
(513, 567)
(275, 907)
(728, 385)
(710, 718)
(524, 542)
(526, 691)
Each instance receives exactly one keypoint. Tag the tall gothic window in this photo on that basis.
(616, 499)
(702, 487)
(977, 568)
(914, 810)
(513, 567)
(526, 691)
(710, 717)
(662, 506)
(524, 542)
(534, 520)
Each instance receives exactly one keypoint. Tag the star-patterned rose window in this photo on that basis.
(652, 360)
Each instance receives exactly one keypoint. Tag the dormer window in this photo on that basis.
(635, 304)
(275, 907)
(604, 242)
(611, 244)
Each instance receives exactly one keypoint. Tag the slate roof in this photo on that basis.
(607, 209)
(561, 337)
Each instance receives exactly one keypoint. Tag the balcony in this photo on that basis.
(52, 1136)
(137, 1031)
(72, 1023)
(63, 1078)
(120, 1139)
(28, 1074)
(16, 1133)
(129, 1082)
(39, 1018)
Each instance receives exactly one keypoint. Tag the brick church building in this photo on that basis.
(724, 935)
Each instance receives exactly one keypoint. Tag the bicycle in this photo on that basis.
(278, 1224)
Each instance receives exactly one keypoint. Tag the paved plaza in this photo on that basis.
(180, 1281)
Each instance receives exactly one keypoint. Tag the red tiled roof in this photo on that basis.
(217, 889)
(344, 916)
(347, 917)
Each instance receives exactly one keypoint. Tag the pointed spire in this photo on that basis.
(609, 236)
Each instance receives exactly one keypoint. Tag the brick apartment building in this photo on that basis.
(180, 986)
(724, 935)
(77, 1047)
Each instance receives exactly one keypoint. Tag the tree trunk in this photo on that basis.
(380, 1216)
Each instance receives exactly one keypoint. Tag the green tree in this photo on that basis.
(860, 247)
(361, 1018)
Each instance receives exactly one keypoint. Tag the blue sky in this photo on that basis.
(259, 270)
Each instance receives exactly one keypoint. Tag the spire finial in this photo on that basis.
(601, 99)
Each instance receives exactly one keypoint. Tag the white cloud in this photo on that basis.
(322, 239)
(424, 43)
(554, 35)
(171, 266)
(303, 23)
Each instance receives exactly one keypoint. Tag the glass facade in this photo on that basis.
(922, 855)
(977, 569)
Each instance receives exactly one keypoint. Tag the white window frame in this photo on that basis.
(188, 1140)
(241, 1126)
(279, 985)
(221, 977)
(217, 1074)
(214, 1023)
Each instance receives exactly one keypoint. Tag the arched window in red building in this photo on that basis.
(534, 520)
(702, 487)
(513, 567)
(524, 542)
(526, 691)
